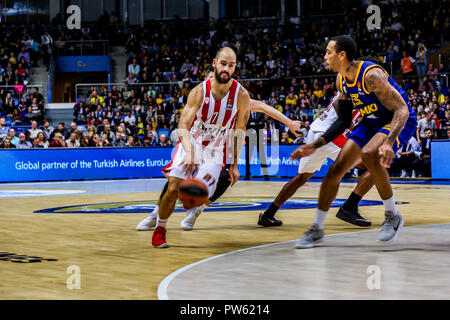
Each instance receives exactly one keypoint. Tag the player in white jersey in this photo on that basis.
(187, 224)
(309, 165)
(216, 113)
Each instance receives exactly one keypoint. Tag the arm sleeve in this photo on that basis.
(344, 113)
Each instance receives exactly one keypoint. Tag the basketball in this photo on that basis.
(192, 193)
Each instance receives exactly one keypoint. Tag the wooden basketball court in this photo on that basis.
(117, 262)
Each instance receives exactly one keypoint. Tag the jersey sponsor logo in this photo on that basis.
(226, 204)
(371, 108)
(355, 99)
(211, 129)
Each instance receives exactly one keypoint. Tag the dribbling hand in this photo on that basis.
(189, 163)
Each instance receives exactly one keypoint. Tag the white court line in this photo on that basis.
(164, 285)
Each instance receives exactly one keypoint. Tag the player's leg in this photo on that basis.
(349, 210)
(208, 172)
(348, 158)
(192, 214)
(393, 220)
(267, 218)
(167, 205)
(306, 169)
(150, 221)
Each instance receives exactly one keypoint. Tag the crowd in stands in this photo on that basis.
(286, 58)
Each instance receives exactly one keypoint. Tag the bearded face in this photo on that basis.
(222, 76)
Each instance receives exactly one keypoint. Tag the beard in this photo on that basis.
(218, 76)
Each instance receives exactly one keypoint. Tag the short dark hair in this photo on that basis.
(209, 68)
(347, 44)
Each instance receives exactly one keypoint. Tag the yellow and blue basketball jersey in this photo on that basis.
(375, 116)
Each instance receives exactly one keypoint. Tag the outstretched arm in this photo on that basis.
(259, 106)
(344, 111)
(377, 81)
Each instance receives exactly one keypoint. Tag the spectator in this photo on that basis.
(47, 129)
(134, 68)
(3, 128)
(74, 140)
(407, 64)
(406, 156)
(87, 140)
(300, 139)
(12, 136)
(23, 142)
(421, 59)
(423, 124)
(58, 141)
(43, 143)
(285, 139)
(34, 130)
(423, 164)
(7, 144)
(118, 141)
(163, 142)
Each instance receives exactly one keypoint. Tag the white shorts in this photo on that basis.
(315, 161)
(211, 164)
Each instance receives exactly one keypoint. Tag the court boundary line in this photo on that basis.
(164, 285)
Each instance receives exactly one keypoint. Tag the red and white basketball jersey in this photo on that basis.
(328, 117)
(215, 119)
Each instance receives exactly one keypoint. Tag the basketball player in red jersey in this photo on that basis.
(216, 112)
(150, 221)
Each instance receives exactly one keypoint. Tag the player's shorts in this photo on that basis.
(364, 132)
(210, 166)
(315, 161)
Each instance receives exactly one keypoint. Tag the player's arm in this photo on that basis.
(344, 108)
(259, 106)
(377, 81)
(193, 103)
(243, 113)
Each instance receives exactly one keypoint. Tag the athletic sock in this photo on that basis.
(155, 211)
(320, 217)
(270, 212)
(162, 223)
(352, 202)
(389, 205)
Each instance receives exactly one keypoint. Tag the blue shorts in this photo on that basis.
(363, 132)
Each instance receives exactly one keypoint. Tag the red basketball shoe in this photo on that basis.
(159, 238)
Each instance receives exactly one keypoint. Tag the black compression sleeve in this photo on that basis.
(344, 120)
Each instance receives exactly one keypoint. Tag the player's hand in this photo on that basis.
(303, 151)
(294, 126)
(386, 154)
(234, 174)
(189, 163)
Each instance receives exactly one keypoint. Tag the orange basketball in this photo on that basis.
(192, 193)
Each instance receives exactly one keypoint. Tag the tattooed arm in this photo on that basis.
(376, 81)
